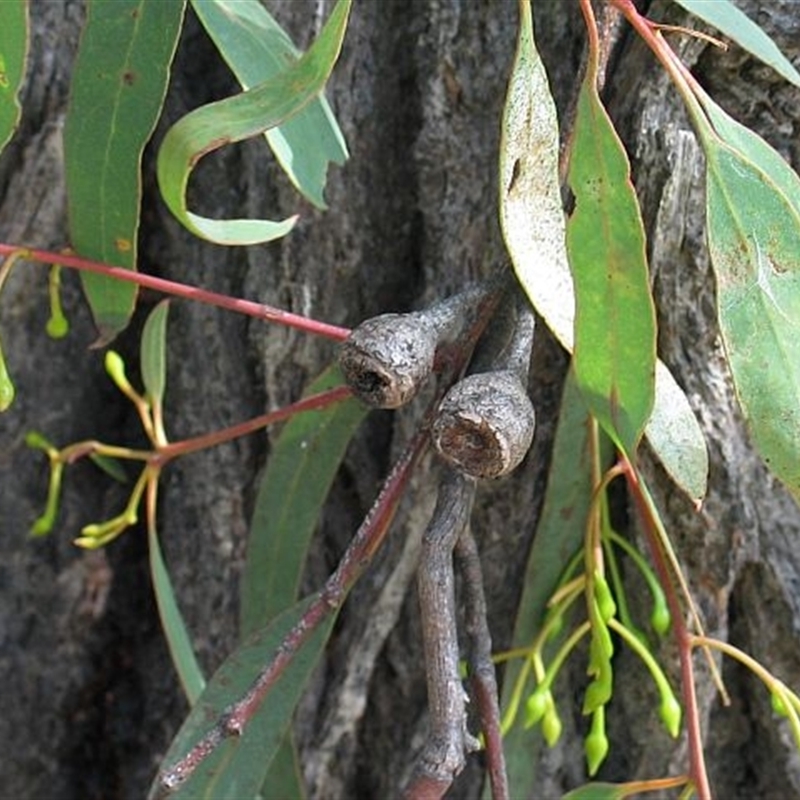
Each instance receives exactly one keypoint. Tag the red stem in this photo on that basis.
(367, 539)
(320, 400)
(248, 307)
(697, 767)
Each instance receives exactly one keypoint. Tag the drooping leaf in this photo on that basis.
(533, 227)
(243, 116)
(754, 244)
(755, 288)
(753, 148)
(531, 214)
(733, 22)
(299, 474)
(153, 353)
(615, 330)
(178, 640)
(13, 54)
(561, 528)
(118, 87)
(237, 768)
(256, 48)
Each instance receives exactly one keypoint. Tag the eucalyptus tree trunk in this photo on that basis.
(89, 698)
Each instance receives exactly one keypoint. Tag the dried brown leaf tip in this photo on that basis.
(485, 423)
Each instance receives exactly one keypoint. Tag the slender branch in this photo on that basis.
(367, 539)
(248, 307)
(362, 547)
(683, 638)
(483, 677)
(444, 754)
(206, 440)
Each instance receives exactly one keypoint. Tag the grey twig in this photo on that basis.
(444, 754)
(479, 657)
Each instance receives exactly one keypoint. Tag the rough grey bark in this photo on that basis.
(89, 699)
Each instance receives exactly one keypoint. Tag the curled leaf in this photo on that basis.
(256, 48)
(248, 114)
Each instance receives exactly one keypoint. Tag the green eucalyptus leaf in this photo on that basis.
(154, 353)
(301, 468)
(615, 329)
(248, 114)
(533, 228)
(237, 768)
(733, 22)
(256, 48)
(178, 640)
(753, 202)
(754, 243)
(753, 148)
(117, 90)
(13, 54)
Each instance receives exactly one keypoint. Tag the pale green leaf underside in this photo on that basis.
(754, 242)
(256, 48)
(249, 114)
(533, 226)
(154, 353)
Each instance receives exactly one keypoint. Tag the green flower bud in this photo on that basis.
(536, 706)
(778, 705)
(601, 648)
(660, 618)
(57, 326)
(115, 367)
(551, 725)
(605, 600)
(599, 691)
(670, 713)
(595, 745)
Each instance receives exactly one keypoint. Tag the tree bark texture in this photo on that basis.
(89, 698)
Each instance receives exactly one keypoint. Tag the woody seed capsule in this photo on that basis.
(386, 358)
(485, 424)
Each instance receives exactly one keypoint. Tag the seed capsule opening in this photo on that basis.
(485, 424)
(386, 359)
